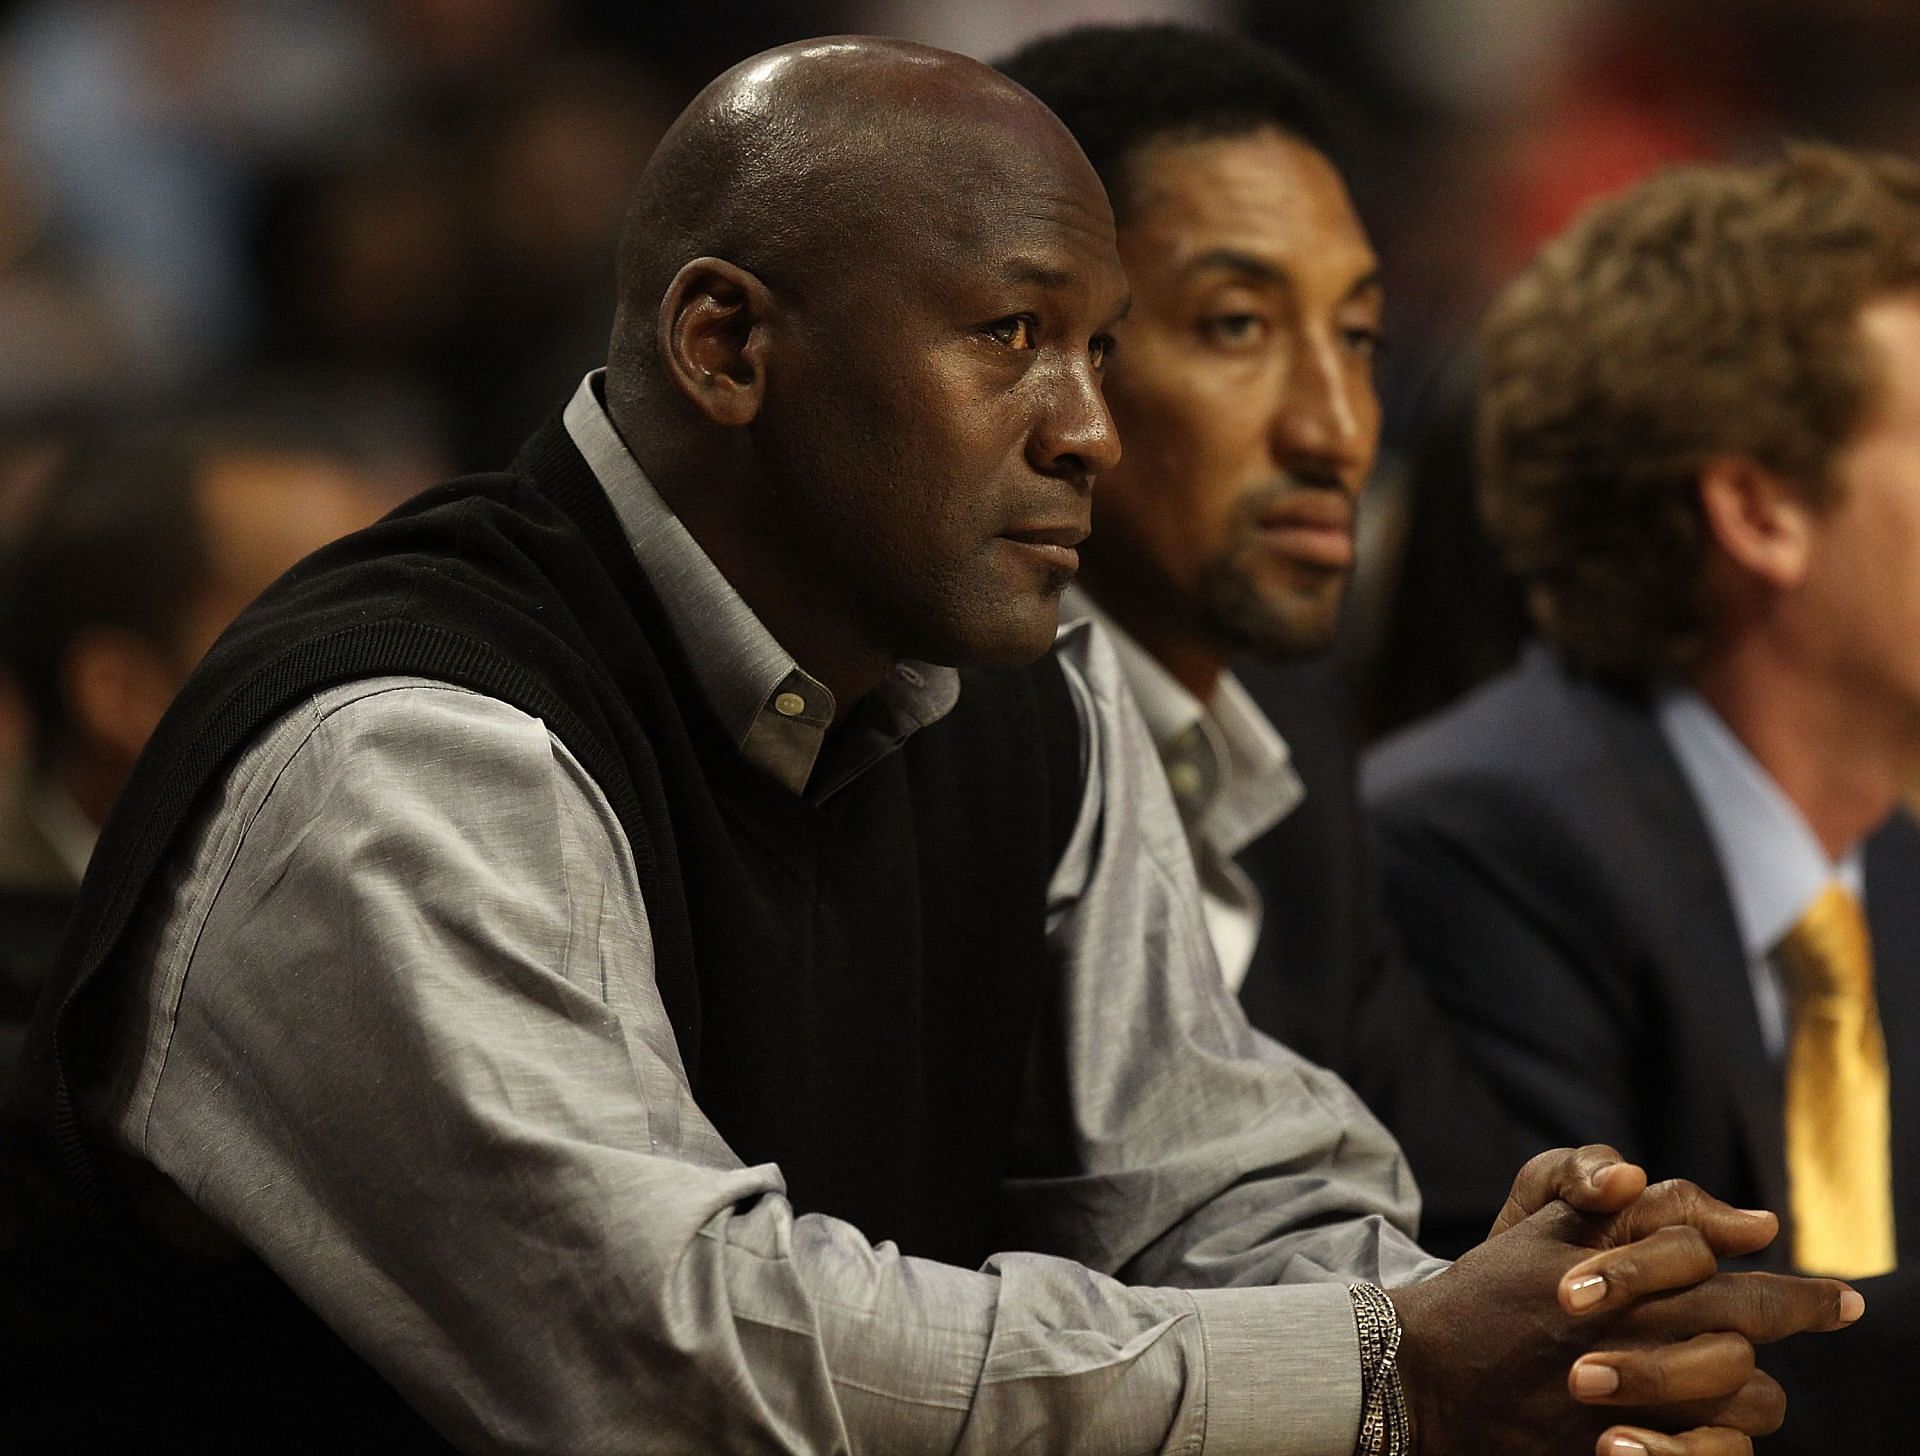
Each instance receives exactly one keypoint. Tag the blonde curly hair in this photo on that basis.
(1710, 311)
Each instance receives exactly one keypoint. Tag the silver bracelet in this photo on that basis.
(1385, 1428)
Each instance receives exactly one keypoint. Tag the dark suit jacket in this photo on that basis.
(1327, 979)
(1552, 879)
(1317, 931)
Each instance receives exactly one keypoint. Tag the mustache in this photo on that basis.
(1264, 499)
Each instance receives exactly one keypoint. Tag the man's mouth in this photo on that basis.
(1052, 545)
(1314, 528)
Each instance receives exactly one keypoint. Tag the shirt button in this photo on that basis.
(789, 705)
(1184, 779)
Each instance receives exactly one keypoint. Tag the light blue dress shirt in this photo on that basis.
(1774, 864)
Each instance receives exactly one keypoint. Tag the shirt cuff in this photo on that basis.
(1282, 1369)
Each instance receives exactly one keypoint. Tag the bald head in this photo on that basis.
(865, 299)
(851, 152)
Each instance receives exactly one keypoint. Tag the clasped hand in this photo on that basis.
(1595, 1317)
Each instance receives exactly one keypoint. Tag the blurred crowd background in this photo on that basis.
(386, 225)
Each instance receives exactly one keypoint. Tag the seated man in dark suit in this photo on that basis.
(1657, 872)
(1224, 540)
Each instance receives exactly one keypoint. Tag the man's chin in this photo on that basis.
(1020, 634)
(1300, 624)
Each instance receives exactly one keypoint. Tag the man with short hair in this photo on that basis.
(1657, 872)
(1243, 384)
(622, 987)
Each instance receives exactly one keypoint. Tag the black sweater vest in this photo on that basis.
(855, 986)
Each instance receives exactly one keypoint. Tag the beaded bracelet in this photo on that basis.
(1385, 1428)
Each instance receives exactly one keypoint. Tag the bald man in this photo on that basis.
(615, 978)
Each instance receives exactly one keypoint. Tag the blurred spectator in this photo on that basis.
(145, 121)
(137, 554)
(368, 264)
(386, 427)
(474, 260)
(132, 557)
(989, 27)
(552, 185)
(32, 450)
(689, 43)
(455, 51)
(56, 339)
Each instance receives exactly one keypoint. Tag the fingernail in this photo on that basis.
(1625, 1446)
(1755, 1212)
(1590, 1380)
(1586, 1293)
(1852, 1306)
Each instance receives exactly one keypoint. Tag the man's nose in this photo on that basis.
(1077, 437)
(1323, 412)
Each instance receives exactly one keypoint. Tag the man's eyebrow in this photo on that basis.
(1030, 270)
(1371, 283)
(1232, 260)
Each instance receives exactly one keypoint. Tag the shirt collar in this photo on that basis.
(776, 712)
(1265, 785)
(1773, 862)
(1231, 772)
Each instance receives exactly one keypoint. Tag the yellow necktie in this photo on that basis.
(1839, 1163)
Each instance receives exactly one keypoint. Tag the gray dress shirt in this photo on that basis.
(1232, 777)
(400, 1032)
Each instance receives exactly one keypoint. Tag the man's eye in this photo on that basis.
(1363, 341)
(1234, 330)
(1100, 350)
(1015, 332)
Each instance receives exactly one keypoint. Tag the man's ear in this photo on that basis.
(714, 334)
(1760, 521)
